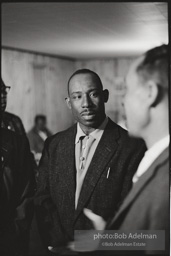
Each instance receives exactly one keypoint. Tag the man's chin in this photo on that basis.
(3, 108)
(134, 134)
(90, 123)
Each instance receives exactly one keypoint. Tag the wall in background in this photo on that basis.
(39, 85)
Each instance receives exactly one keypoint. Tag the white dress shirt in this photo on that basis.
(43, 135)
(150, 156)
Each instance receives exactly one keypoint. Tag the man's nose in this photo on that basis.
(122, 102)
(86, 102)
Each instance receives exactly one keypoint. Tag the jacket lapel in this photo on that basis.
(104, 152)
(140, 184)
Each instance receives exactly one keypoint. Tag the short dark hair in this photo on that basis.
(86, 71)
(39, 117)
(155, 65)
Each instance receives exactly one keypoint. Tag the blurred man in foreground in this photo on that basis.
(146, 103)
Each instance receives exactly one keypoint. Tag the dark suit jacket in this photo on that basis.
(55, 198)
(147, 205)
(17, 187)
(13, 123)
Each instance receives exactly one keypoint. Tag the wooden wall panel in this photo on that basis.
(38, 86)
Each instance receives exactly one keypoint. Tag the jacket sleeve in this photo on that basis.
(18, 187)
(24, 192)
(46, 212)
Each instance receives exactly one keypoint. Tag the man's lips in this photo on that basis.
(88, 113)
(3, 101)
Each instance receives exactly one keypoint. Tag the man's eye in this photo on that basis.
(93, 94)
(76, 97)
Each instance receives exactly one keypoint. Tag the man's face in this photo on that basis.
(86, 100)
(137, 113)
(3, 98)
(41, 124)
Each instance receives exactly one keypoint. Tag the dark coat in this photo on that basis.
(13, 123)
(17, 187)
(147, 205)
(55, 198)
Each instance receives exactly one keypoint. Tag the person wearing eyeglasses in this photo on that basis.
(17, 187)
(11, 121)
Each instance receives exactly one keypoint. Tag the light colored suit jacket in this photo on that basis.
(147, 205)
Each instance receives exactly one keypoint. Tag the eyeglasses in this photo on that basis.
(5, 88)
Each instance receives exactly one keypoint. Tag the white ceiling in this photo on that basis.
(85, 30)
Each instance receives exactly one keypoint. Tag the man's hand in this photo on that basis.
(84, 242)
(98, 222)
(62, 250)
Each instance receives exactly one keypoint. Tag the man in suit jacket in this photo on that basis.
(37, 135)
(146, 104)
(88, 165)
(13, 123)
(147, 100)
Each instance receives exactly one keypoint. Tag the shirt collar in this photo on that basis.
(150, 156)
(159, 146)
(95, 134)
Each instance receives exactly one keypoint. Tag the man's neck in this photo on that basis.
(158, 128)
(87, 130)
(156, 136)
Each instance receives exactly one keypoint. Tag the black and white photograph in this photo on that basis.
(85, 96)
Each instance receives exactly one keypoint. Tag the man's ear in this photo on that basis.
(106, 95)
(153, 93)
(67, 99)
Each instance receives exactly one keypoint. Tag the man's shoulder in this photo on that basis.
(62, 135)
(117, 131)
(10, 116)
(124, 139)
(12, 138)
(158, 185)
(6, 133)
(31, 131)
(161, 165)
(32, 134)
(114, 126)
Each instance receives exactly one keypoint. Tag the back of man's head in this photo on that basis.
(154, 66)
